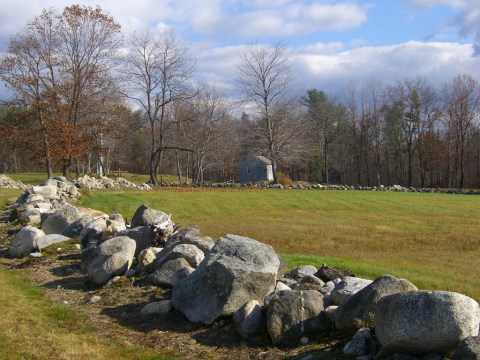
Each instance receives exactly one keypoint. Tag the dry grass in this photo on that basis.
(33, 328)
(431, 239)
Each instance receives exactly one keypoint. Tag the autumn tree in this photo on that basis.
(89, 43)
(29, 70)
(265, 81)
(58, 68)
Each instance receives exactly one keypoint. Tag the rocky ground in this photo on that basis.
(115, 311)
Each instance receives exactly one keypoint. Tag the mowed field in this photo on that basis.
(431, 239)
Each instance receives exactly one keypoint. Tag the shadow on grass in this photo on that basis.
(222, 334)
(70, 283)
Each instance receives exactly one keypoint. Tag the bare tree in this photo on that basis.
(411, 100)
(462, 107)
(158, 73)
(213, 109)
(264, 79)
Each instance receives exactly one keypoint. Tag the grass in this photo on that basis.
(33, 328)
(30, 178)
(430, 239)
(6, 195)
(140, 179)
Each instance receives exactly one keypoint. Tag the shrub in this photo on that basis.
(284, 179)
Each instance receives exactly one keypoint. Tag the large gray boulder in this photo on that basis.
(143, 236)
(248, 319)
(161, 223)
(93, 231)
(146, 216)
(359, 309)
(191, 253)
(421, 322)
(47, 191)
(362, 344)
(25, 241)
(114, 227)
(157, 308)
(190, 235)
(111, 258)
(182, 234)
(300, 272)
(146, 259)
(346, 288)
(50, 239)
(468, 349)
(32, 216)
(329, 273)
(60, 219)
(165, 275)
(235, 271)
(75, 228)
(293, 314)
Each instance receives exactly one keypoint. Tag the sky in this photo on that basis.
(333, 42)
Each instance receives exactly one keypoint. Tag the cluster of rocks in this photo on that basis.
(239, 277)
(43, 199)
(105, 183)
(305, 186)
(9, 183)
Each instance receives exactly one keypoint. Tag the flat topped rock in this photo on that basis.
(50, 239)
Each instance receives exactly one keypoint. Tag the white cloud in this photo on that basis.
(438, 62)
(435, 3)
(328, 66)
(467, 19)
(299, 19)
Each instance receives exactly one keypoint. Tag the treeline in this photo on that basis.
(85, 100)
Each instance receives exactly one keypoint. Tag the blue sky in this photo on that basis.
(333, 42)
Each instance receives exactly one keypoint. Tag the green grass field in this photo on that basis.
(431, 239)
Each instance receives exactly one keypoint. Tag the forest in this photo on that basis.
(84, 97)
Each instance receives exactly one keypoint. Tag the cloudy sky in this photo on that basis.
(333, 41)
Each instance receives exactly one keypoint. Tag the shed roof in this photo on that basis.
(262, 159)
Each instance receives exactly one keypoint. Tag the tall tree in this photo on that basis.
(89, 43)
(29, 70)
(327, 121)
(158, 73)
(413, 103)
(265, 81)
(57, 66)
(462, 108)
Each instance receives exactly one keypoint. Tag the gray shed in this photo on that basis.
(256, 168)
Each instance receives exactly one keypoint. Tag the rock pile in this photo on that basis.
(8, 183)
(105, 183)
(239, 277)
(323, 187)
